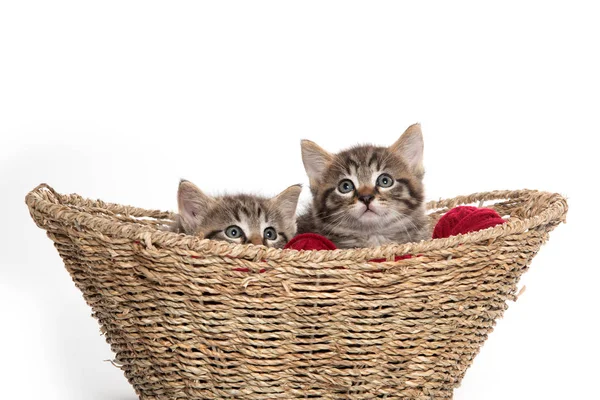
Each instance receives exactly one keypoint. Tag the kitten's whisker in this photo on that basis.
(337, 222)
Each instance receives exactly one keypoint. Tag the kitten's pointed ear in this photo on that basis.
(410, 148)
(287, 201)
(315, 160)
(193, 205)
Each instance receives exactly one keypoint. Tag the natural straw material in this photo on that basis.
(185, 324)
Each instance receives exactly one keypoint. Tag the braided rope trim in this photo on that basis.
(145, 225)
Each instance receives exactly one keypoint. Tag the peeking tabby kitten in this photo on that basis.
(238, 218)
(367, 195)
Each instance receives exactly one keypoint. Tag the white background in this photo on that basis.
(118, 100)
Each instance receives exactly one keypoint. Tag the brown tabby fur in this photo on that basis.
(209, 217)
(384, 215)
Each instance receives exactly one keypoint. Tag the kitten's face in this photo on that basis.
(366, 188)
(239, 218)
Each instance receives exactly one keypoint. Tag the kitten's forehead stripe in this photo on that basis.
(374, 160)
(245, 211)
(361, 162)
(352, 164)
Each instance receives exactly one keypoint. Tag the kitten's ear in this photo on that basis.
(410, 148)
(287, 201)
(193, 205)
(315, 160)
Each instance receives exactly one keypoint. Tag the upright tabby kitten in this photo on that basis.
(367, 195)
(238, 218)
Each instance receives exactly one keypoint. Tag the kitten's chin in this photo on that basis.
(369, 218)
(367, 215)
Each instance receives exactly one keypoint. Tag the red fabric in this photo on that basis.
(465, 219)
(397, 258)
(310, 241)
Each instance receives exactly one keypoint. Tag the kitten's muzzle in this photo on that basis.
(366, 198)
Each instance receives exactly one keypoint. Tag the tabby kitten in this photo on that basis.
(367, 196)
(238, 218)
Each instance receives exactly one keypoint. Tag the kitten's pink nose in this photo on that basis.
(255, 239)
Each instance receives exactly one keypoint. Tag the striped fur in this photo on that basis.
(210, 217)
(370, 214)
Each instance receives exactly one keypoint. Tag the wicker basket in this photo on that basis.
(186, 321)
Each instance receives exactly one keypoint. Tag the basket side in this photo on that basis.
(185, 324)
(109, 271)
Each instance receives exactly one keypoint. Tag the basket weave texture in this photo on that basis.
(185, 323)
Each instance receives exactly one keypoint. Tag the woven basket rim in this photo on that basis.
(39, 199)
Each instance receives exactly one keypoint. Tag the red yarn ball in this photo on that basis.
(310, 241)
(465, 219)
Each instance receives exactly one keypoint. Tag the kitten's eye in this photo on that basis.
(234, 232)
(270, 233)
(385, 181)
(345, 186)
